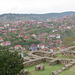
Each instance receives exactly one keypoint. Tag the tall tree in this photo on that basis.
(10, 62)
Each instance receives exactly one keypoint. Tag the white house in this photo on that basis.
(41, 46)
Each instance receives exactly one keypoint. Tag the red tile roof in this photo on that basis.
(17, 45)
(1, 38)
(54, 48)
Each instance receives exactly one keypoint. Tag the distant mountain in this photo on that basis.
(37, 17)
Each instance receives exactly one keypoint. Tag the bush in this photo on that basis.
(10, 62)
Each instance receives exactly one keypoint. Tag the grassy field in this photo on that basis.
(70, 71)
(48, 69)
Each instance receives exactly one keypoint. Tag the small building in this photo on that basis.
(7, 43)
(1, 39)
(41, 46)
(18, 47)
(23, 49)
(57, 35)
(26, 37)
(53, 49)
(33, 47)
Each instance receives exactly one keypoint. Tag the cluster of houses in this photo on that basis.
(22, 29)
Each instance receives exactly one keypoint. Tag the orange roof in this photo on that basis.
(26, 37)
(17, 45)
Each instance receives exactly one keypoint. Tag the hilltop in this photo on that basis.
(37, 17)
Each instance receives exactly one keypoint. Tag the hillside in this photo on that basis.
(37, 17)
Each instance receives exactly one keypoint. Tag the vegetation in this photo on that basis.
(60, 56)
(48, 69)
(70, 71)
(10, 62)
(69, 41)
(25, 53)
(37, 17)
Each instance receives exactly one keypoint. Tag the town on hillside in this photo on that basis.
(32, 35)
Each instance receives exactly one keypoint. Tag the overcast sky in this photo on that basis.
(36, 6)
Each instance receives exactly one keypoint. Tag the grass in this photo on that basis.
(48, 69)
(73, 50)
(70, 71)
(60, 56)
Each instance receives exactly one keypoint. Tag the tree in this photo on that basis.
(10, 62)
(25, 53)
(69, 41)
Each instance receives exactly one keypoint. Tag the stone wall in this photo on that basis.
(34, 62)
(38, 57)
(37, 61)
(47, 59)
(69, 48)
(68, 54)
(42, 53)
(53, 62)
(64, 61)
(64, 68)
(60, 61)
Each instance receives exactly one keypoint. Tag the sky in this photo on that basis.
(36, 6)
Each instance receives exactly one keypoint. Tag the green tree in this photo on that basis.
(25, 53)
(69, 41)
(10, 62)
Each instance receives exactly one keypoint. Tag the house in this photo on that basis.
(58, 42)
(68, 27)
(1, 30)
(18, 47)
(42, 39)
(6, 25)
(33, 47)
(41, 46)
(53, 35)
(20, 34)
(24, 49)
(53, 49)
(14, 31)
(38, 25)
(40, 22)
(34, 35)
(26, 37)
(54, 30)
(46, 46)
(50, 40)
(7, 43)
(26, 22)
(1, 27)
(42, 34)
(60, 28)
(44, 49)
(51, 44)
(1, 39)
(64, 28)
(57, 35)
